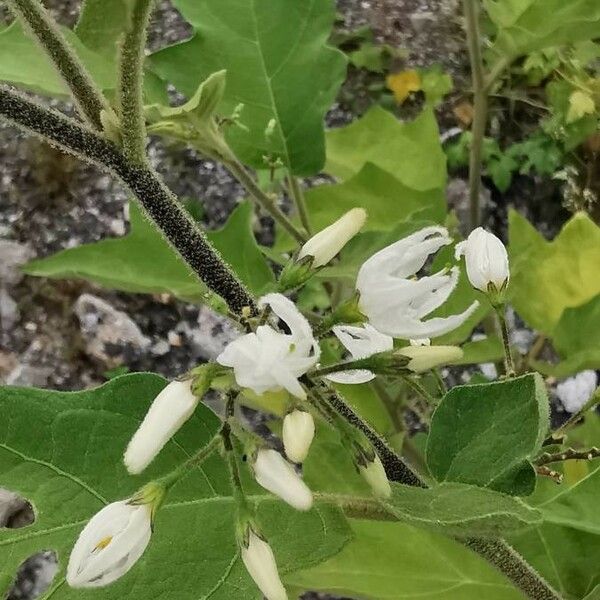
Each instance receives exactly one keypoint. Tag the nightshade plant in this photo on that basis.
(142, 490)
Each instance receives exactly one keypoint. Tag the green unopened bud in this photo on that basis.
(371, 468)
(294, 274)
(203, 376)
(419, 359)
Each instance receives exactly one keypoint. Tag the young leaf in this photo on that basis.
(142, 261)
(415, 563)
(63, 452)
(485, 434)
(460, 509)
(278, 66)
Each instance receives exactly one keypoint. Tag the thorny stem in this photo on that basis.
(509, 367)
(131, 73)
(87, 96)
(159, 203)
(298, 196)
(262, 199)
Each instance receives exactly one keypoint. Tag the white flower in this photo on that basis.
(170, 410)
(327, 243)
(298, 434)
(424, 358)
(395, 302)
(268, 360)
(374, 474)
(361, 342)
(486, 259)
(260, 563)
(277, 475)
(576, 391)
(109, 545)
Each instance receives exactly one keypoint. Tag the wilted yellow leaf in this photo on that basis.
(403, 83)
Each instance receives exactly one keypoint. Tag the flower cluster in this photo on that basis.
(282, 352)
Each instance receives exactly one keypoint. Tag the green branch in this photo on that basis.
(131, 78)
(87, 96)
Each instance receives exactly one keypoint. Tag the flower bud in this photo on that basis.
(169, 411)
(277, 475)
(374, 474)
(260, 563)
(110, 544)
(486, 260)
(328, 242)
(298, 434)
(419, 359)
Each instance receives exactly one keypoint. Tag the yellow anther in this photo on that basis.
(103, 543)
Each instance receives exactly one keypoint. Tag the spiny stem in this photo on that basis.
(87, 96)
(262, 199)
(131, 75)
(159, 203)
(480, 105)
(568, 454)
(298, 196)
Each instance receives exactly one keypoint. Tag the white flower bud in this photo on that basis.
(374, 474)
(169, 411)
(328, 242)
(424, 358)
(277, 475)
(260, 563)
(298, 434)
(486, 259)
(110, 544)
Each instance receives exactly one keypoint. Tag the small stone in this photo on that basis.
(160, 348)
(174, 339)
(28, 375)
(9, 311)
(574, 392)
(109, 334)
(13, 256)
(214, 332)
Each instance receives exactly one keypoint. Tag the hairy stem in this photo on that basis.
(480, 105)
(158, 202)
(509, 367)
(87, 96)
(131, 77)
(298, 196)
(262, 199)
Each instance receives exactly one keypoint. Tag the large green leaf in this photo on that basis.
(410, 151)
(461, 509)
(102, 22)
(278, 66)
(528, 25)
(394, 561)
(62, 451)
(23, 63)
(142, 261)
(549, 277)
(485, 434)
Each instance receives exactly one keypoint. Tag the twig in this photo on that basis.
(546, 472)
(87, 96)
(568, 454)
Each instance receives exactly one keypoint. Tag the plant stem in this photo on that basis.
(263, 200)
(480, 105)
(159, 203)
(568, 454)
(509, 367)
(131, 76)
(87, 96)
(298, 196)
(420, 390)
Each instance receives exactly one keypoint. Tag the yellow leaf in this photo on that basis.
(580, 104)
(403, 83)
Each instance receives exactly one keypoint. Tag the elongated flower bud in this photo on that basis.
(277, 475)
(260, 563)
(328, 242)
(374, 474)
(169, 411)
(424, 358)
(110, 544)
(487, 261)
(298, 434)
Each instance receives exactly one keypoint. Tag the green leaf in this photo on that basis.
(410, 151)
(460, 509)
(63, 452)
(394, 561)
(528, 25)
(485, 434)
(278, 65)
(101, 23)
(24, 63)
(142, 261)
(486, 350)
(549, 277)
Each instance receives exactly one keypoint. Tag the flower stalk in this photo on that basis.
(509, 367)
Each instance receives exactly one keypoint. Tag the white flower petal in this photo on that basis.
(298, 433)
(351, 376)
(260, 563)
